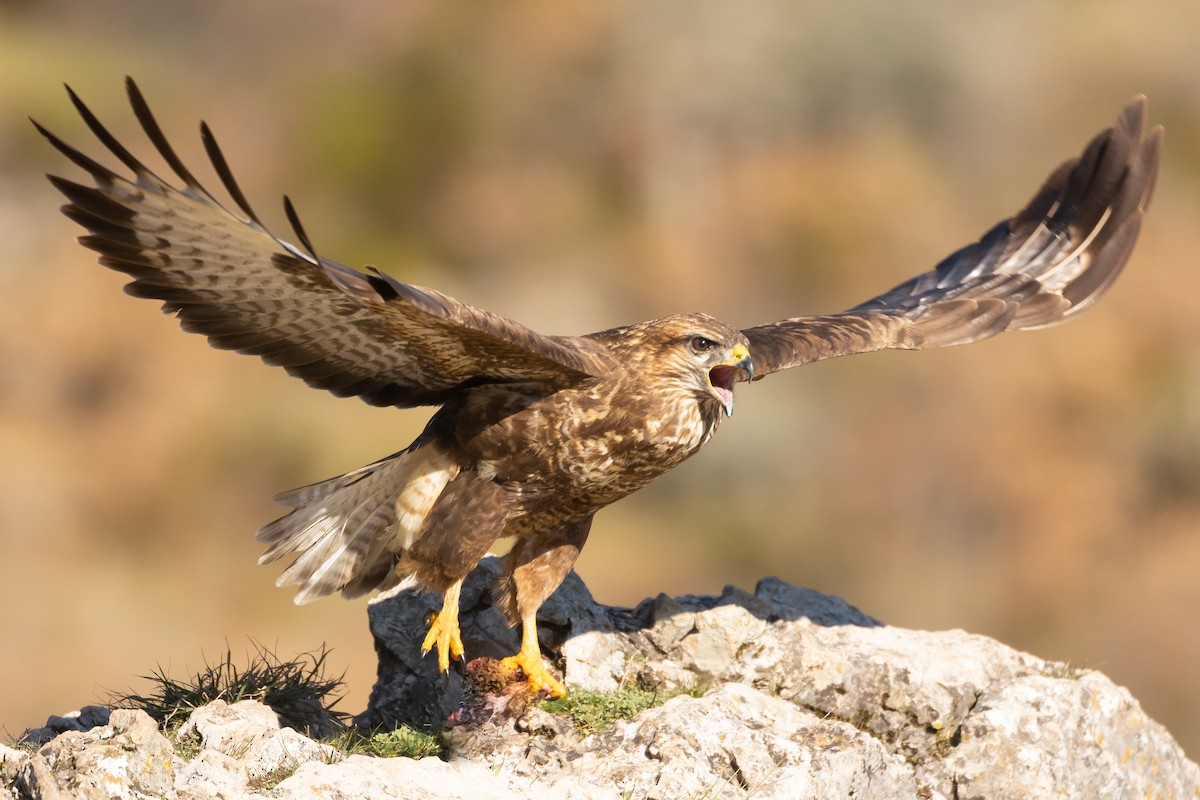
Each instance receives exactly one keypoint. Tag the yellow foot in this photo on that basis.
(444, 631)
(540, 678)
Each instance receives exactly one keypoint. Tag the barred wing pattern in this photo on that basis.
(1049, 262)
(227, 277)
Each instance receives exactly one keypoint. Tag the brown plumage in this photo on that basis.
(535, 433)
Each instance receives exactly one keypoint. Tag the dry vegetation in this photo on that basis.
(581, 166)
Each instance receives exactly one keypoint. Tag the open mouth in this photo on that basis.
(721, 378)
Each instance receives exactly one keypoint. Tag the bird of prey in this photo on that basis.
(534, 434)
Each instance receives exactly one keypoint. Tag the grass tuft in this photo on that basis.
(297, 690)
(1064, 670)
(265, 783)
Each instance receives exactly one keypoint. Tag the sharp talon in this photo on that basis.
(444, 631)
(529, 661)
(536, 674)
(431, 638)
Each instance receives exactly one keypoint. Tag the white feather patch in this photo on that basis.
(430, 471)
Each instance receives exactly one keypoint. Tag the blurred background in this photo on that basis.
(577, 166)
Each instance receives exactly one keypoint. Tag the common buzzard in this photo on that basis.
(534, 434)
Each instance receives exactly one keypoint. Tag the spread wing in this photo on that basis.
(226, 276)
(1049, 262)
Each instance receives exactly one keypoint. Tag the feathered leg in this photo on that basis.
(536, 567)
(459, 530)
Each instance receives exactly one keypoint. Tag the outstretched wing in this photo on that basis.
(1051, 261)
(226, 276)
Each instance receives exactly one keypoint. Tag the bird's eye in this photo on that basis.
(702, 344)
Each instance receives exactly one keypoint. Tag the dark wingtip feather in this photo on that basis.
(224, 172)
(1138, 172)
(95, 168)
(107, 139)
(1133, 117)
(141, 109)
(294, 221)
(1084, 291)
(1150, 155)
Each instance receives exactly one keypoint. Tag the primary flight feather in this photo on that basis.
(534, 434)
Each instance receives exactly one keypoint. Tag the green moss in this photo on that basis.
(403, 742)
(597, 711)
(186, 747)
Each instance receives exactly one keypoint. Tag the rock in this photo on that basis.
(811, 697)
(364, 778)
(791, 694)
(248, 732)
(278, 755)
(128, 757)
(1044, 736)
(84, 719)
(737, 741)
(11, 761)
(211, 775)
(230, 729)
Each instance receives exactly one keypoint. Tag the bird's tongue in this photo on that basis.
(722, 379)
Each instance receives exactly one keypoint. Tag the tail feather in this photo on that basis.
(298, 498)
(347, 533)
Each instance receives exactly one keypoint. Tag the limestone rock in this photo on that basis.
(738, 742)
(792, 694)
(128, 757)
(807, 696)
(211, 775)
(281, 753)
(248, 733)
(1043, 736)
(230, 729)
(363, 778)
(11, 762)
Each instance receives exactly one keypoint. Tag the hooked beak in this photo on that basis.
(723, 376)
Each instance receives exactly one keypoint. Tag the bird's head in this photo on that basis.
(707, 355)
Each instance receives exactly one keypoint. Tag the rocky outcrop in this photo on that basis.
(786, 693)
(804, 695)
